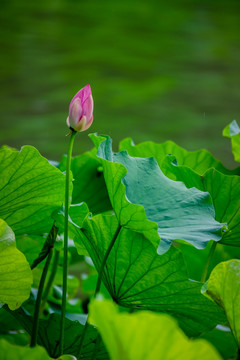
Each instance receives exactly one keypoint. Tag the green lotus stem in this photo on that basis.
(51, 279)
(48, 244)
(208, 262)
(65, 249)
(38, 301)
(98, 286)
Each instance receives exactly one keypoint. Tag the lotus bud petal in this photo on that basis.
(80, 115)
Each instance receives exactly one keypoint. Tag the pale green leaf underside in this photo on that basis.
(224, 191)
(14, 352)
(145, 336)
(30, 190)
(15, 272)
(145, 200)
(137, 277)
(224, 288)
(232, 131)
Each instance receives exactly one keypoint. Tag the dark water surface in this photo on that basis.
(158, 71)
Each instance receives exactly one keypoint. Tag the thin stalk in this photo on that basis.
(48, 244)
(208, 262)
(50, 280)
(65, 249)
(38, 301)
(99, 285)
(105, 260)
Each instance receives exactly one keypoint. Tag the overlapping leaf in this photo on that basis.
(146, 336)
(138, 278)
(145, 200)
(77, 214)
(88, 185)
(200, 160)
(222, 339)
(15, 272)
(224, 288)
(30, 190)
(224, 190)
(232, 131)
(196, 260)
(49, 334)
(10, 352)
(30, 246)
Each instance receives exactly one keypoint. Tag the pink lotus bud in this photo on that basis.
(81, 110)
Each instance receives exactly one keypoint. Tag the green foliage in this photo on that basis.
(222, 339)
(30, 246)
(224, 190)
(15, 272)
(31, 189)
(138, 278)
(145, 336)
(145, 200)
(49, 332)
(89, 185)
(196, 260)
(77, 214)
(10, 352)
(199, 161)
(198, 169)
(232, 131)
(137, 220)
(223, 287)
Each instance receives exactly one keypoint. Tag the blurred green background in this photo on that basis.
(158, 70)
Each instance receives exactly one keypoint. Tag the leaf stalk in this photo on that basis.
(38, 301)
(65, 248)
(98, 286)
(208, 262)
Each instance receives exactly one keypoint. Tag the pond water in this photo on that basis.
(158, 71)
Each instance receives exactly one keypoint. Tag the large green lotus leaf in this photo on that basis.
(200, 160)
(88, 185)
(138, 278)
(232, 131)
(49, 334)
(15, 272)
(30, 190)
(224, 288)
(145, 200)
(145, 336)
(224, 190)
(14, 352)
